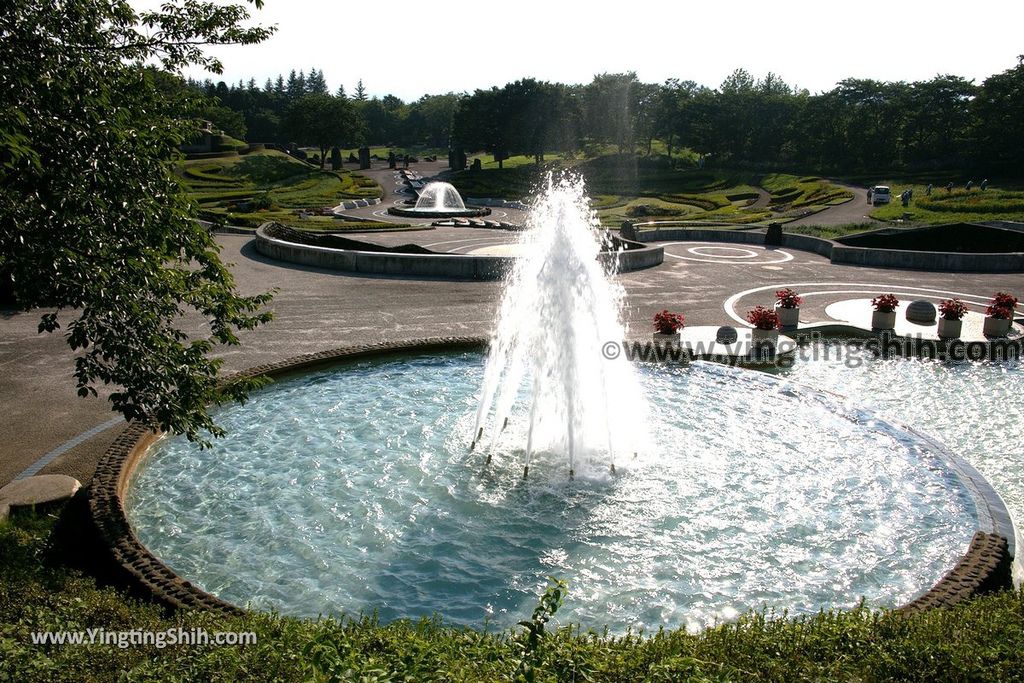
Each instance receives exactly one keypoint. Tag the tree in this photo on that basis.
(611, 107)
(323, 121)
(93, 225)
(999, 127)
(296, 86)
(316, 84)
(360, 95)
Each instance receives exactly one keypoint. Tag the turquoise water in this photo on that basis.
(976, 409)
(352, 490)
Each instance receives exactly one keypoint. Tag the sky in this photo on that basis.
(412, 49)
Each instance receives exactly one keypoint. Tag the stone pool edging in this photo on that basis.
(440, 265)
(984, 567)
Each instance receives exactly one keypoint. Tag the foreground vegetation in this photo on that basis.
(270, 185)
(983, 640)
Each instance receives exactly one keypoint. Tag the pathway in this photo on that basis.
(848, 213)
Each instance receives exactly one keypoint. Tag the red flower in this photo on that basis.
(668, 323)
(1004, 300)
(885, 303)
(788, 298)
(763, 318)
(1000, 312)
(952, 309)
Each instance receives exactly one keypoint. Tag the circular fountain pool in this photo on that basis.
(352, 489)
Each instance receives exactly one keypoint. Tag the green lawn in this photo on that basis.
(628, 187)
(980, 641)
(994, 204)
(269, 185)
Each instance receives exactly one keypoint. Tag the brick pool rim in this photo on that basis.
(987, 564)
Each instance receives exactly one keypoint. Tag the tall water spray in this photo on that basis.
(559, 308)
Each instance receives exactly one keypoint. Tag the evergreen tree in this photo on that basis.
(341, 92)
(360, 92)
(296, 86)
(315, 83)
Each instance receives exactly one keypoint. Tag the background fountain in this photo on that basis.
(438, 200)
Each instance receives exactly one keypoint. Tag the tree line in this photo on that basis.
(300, 109)
(859, 125)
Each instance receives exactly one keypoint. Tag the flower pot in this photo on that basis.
(996, 327)
(949, 329)
(758, 336)
(883, 320)
(788, 317)
(671, 338)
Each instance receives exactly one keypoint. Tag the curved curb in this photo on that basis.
(836, 252)
(438, 265)
(984, 567)
(468, 212)
(355, 204)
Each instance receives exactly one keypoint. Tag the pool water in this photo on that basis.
(975, 409)
(352, 489)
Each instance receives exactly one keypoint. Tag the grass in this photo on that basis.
(958, 206)
(982, 640)
(628, 187)
(270, 185)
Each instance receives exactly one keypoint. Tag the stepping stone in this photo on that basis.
(42, 488)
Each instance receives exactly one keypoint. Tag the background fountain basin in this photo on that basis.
(351, 489)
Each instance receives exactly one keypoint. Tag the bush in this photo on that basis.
(982, 640)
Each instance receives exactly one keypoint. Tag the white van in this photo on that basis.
(880, 194)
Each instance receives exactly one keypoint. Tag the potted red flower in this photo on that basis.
(884, 317)
(667, 326)
(787, 305)
(999, 315)
(951, 318)
(765, 322)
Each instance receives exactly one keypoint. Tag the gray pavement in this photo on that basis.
(848, 213)
(713, 284)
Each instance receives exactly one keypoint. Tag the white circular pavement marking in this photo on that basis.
(743, 253)
(853, 288)
(720, 259)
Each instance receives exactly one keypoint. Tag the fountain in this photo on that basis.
(665, 495)
(558, 307)
(438, 200)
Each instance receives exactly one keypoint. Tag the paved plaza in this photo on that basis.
(47, 428)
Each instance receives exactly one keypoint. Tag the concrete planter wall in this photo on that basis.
(840, 253)
(448, 266)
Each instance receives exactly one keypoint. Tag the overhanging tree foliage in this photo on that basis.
(93, 227)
